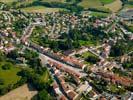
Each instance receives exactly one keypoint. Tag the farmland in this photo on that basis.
(99, 14)
(107, 1)
(41, 9)
(114, 6)
(90, 3)
(16, 94)
(7, 1)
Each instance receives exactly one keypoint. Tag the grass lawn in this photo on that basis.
(41, 9)
(9, 76)
(88, 43)
(46, 76)
(112, 88)
(86, 54)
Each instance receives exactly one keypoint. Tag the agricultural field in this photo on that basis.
(106, 1)
(7, 1)
(53, 0)
(90, 3)
(114, 6)
(9, 76)
(99, 14)
(128, 5)
(41, 9)
(16, 94)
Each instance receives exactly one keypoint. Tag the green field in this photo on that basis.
(99, 14)
(88, 43)
(86, 54)
(128, 6)
(106, 1)
(53, 0)
(90, 3)
(94, 3)
(9, 76)
(7, 1)
(46, 76)
(41, 9)
(113, 5)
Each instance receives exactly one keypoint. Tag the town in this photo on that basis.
(66, 55)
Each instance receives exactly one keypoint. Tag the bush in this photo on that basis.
(42, 95)
(6, 66)
(1, 82)
(92, 59)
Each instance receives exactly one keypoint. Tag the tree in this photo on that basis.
(13, 54)
(127, 65)
(117, 50)
(92, 59)
(43, 95)
(19, 25)
(29, 54)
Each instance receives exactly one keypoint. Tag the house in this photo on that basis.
(72, 94)
(84, 88)
(63, 98)
(115, 78)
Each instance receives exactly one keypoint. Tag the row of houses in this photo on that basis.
(60, 67)
(115, 78)
(62, 89)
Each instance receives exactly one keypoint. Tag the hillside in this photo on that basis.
(27, 5)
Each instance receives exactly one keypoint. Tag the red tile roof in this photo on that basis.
(58, 66)
(63, 97)
(117, 79)
(72, 94)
